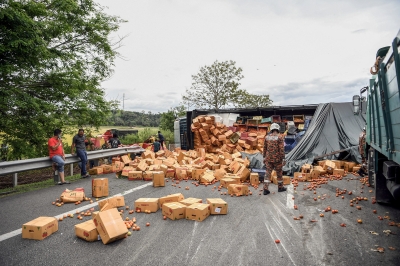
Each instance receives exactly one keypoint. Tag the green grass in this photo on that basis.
(34, 186)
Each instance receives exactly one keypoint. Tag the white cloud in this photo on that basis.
(287, 49)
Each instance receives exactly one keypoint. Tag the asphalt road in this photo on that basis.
(245, 236)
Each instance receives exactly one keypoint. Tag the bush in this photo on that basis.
(140, 137)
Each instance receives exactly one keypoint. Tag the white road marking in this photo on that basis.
(80, 209)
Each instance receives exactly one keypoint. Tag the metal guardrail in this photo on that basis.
(14, 167)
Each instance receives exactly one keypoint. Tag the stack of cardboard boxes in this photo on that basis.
(214, 137)
(336, 168)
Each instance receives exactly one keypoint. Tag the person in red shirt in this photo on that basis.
(56, 153)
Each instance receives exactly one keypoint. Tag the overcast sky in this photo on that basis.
(298, 52)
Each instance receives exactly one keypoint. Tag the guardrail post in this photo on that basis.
(56, 177)
(72, 169)
(15, 180)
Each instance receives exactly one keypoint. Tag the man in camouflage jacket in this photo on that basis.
(274, 157)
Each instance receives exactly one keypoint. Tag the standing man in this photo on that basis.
(161, 139)
(274, 157)
(156, 146)
(114, 142)
(361, 148)
(79, 142)
(361, 145)
(57, 155)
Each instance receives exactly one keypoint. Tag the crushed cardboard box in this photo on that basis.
(72, 195)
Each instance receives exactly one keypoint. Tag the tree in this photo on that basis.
(215, 86)
(247, 100)
(54, 55)
(167, 118)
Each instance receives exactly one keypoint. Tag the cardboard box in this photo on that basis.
(314, 174)
(170, 173)
(114, 202)
(339, 172)
(158, 179)
(39, 228)
(174, 210)
(126, 170)
(217, 206)
(149, 204)
(286, 180)
(96, 170)
(320, 169)
(348, 166)
(135, 175)
(219, 174)
(238, 190)
(87, 231)
(99, 187)
(244, 173)
(148, 175)
(198, 212)
(119, 165)
(94, 214)
(177, 197)
(306, 168)
(329, 166)
(300, 176)
(197, 173)
(125, 159)
(106, 168)
(207, 177)
(110, 226)
(190, 201)
(254, 179)
(227, 181)
(72, 196)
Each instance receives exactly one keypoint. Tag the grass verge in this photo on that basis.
(33, 186)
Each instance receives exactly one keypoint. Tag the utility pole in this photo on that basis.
(123, 101)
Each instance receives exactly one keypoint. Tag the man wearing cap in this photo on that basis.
(274, 157)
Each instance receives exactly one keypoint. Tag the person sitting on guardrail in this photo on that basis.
(79, 143)
(57, 155)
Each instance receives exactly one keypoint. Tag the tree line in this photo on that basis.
(54, 56)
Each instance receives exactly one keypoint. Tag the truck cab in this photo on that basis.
(383, 122)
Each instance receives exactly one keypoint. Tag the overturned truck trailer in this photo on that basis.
(244, 119)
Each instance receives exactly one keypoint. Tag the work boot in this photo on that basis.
(281, 188)
(266, 191)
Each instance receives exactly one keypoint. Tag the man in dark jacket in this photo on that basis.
(161, 139)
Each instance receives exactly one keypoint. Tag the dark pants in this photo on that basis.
(162, 144)
(82, 154)
(278, 169)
